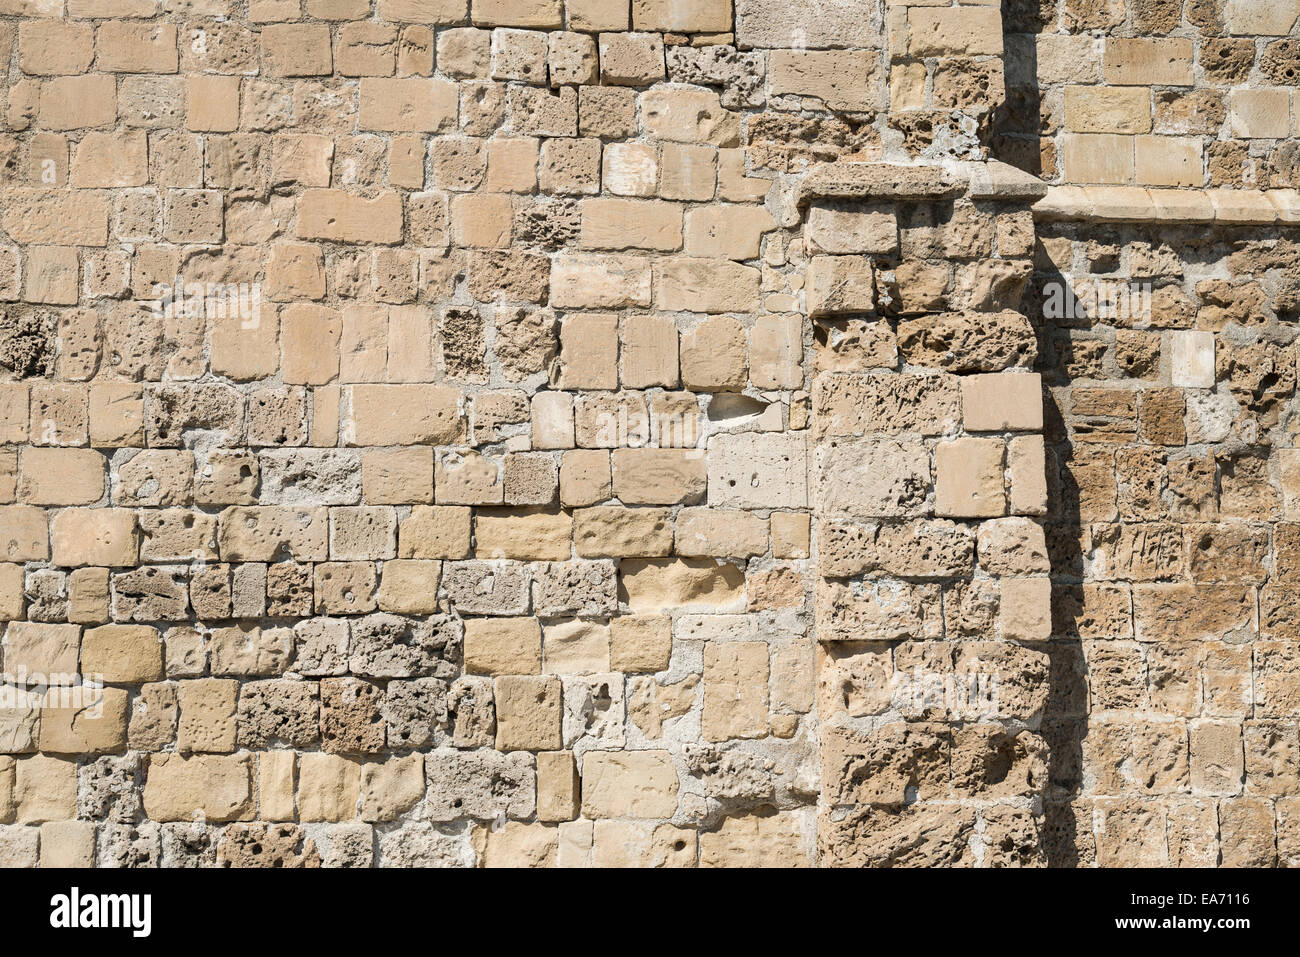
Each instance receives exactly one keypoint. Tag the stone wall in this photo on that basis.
(1172, 536)
(1153, 92)
(1171, 729)
(631, 432)
(483, 536)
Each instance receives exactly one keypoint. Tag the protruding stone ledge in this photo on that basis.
(1002, 181)
(876, 181)
(1136, 204)
(993, 180)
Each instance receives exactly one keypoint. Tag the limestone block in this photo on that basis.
(264, 534)
(44, 789)
(844, 229)
(589, 280)
(390, 788)
(505, 590)
(387, 646)
(764, 24)
(957, 30)
(521, 845)
(1026, 609)
(706, 285)
(441, 531)
(278, 712)
(840, 285)
(618, 532)
(576, 588)
(968, 342)
(735, 690)
(409, 587)
(640, 643)
(585, 479)
(758, 471)
(628, 784)
(480, 784)
(1193, 359)
(127, 654)
(687, 116)
(969, 478)
(329, 787)
(558, 786)
(729, 232)
(208, 719)
(107, 537)
(1002, 401)
(874, 477)
(1141, 62)
(503, 646)
(824, 79)
(877, 611)
(575, 647)
(405, 415)
(1216, 757)
(218, 787)
(529, 712)
(631, 59)
(44, 649)
(756, 841)
(653, 585)
(855, 405)
(659, 476)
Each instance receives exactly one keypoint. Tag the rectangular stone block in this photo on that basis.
(529, 713)
(217, 786)
(758, 471)
(338, 216)
(50, 217)
(126, 654)
(659, 476)
(825, 79)
(611, 282)
(405, 415)
(969, 478)
(1148, 62)
(639, 784)
(407, 104)
(95, 536)
(706, 285)
(1105, 109)
(840, 285)
(558, 787)
(950, 31)
(999, 402)
(735, 690)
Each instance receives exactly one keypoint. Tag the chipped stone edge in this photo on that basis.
(997, 180)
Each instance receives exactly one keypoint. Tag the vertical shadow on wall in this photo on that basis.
(1065, 717)
(1014, 137)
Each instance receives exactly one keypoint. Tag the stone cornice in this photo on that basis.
(1136, 204)
(992, 180)
(877, 181)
